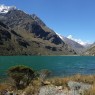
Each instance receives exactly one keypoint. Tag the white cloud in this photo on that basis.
(78, 40)
(5, 9)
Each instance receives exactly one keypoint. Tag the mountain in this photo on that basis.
(90, 50)
(92, 45)
(10, 42)
(73, 44)
(81, 42)
(38, 20)
(28, 35)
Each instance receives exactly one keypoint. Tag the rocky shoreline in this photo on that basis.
(25, 81)
(74, 88)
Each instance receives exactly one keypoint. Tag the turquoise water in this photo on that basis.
(59, 65)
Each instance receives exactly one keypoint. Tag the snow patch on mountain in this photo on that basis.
(5, 9)
(81, 42)
(61, 37)
(84, 43)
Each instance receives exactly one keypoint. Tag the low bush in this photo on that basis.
(22, 75)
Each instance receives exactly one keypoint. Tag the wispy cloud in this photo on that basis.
(78, 40)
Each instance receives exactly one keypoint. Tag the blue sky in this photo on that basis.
(66, 17)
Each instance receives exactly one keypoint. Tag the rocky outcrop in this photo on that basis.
(75, 88)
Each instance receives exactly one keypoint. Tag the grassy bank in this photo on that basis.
(40, 80)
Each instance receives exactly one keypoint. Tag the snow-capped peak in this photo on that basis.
(84, 43)
(5, 9)
(61, 37)
(81, 42)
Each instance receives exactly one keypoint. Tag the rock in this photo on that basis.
(78, 85)
(46, 83)
(76, 88)
(59, 87)
(48, 90)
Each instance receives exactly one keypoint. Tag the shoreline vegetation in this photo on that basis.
(23, 80)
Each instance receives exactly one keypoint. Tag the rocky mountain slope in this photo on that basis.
(92, 45)
(24, 34)
(90, 50)
(11, 43)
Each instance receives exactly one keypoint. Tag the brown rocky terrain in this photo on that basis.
(24, 34)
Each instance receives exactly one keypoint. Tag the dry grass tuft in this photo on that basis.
(59, 81)
(90, 79)
(90, 91)
(33, 88)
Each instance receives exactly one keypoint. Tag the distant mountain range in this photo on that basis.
(25, 34)
(87, 49)
(73, 44)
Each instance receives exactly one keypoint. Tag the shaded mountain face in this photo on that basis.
(28, 35)
(10, 41)
(18, 20)
(74, 45)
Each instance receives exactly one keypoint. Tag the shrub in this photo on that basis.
(43, 74)
(22, 75)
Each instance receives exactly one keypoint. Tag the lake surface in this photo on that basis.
(59, 65)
